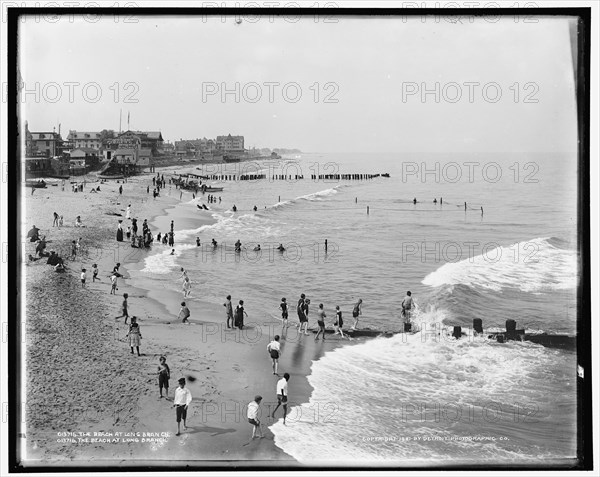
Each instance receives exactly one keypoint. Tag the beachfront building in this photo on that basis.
(152, 140)
(45, 143)
(144, 157)
(167, 148)
(230, 144)
(125, 156)
(37, 167)
(185, 148)
(195, 147)
(83, 160)
(85, 139)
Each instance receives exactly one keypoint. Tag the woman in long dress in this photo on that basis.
(119, 232)
(134, 335)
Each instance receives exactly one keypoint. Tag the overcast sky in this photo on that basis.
(360, 81)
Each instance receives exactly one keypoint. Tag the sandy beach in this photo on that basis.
(88, 399)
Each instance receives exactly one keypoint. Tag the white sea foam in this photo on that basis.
(531, 266)
(367, 398)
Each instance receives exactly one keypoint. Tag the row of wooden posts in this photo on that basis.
(296, 177)
(511, 333)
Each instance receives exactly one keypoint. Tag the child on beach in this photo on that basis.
(282, 395)
(321, 322)
(253, 408)
(338, 321)
(284, 314)
(113, 281)
(73, 250)
(229, 311)
(184, 313)
(60, 221)
(164, 374)
(124, 312)
(187, 287)
(274, 348)
(134, 335)
(94, 273)
(83, 277)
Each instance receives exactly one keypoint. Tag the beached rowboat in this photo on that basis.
(36, 184)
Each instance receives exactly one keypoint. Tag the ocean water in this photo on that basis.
(424, 397)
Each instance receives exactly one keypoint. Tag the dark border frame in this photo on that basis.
(584, 339)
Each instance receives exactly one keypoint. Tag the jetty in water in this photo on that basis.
(511, 333)
(288, 177)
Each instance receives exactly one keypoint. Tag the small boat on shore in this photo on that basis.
(212, 189)
(36, 184)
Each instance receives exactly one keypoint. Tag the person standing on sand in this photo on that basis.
(300, 310)
(304, 324)
(282, 395)
(55, 223)
(229, 311)
(83, 277)
(184, 313)
(253, 409)
(134, 335)
(124, 312)
(73, 250)
(164, 374)
(120, 190)
(239, 315)
(356, 312)
(60, 222)
(274, 349)
(128, 213)
(321, 322)
(94, 273)
(120, 232)
(181, 401)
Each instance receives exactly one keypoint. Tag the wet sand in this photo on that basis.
(82, 378)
